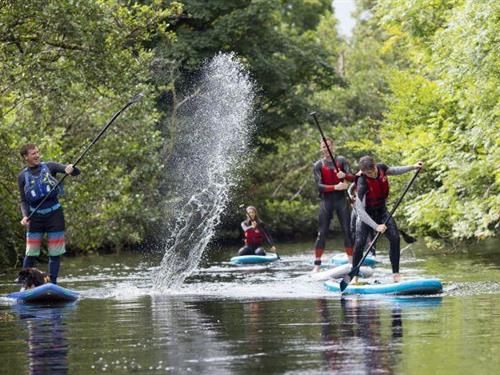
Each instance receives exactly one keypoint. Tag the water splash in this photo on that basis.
(215, 124)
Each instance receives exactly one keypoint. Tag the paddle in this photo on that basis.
(325, 141)
(408, 238)
(313, 114)
(263, 230)
(347, 279)
(136, 98)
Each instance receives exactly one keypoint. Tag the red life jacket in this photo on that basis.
(329, 175)
(378, 189)
(253, 236)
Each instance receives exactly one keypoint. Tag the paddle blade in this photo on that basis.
(136, 98)
(407, 237)
(344, 283)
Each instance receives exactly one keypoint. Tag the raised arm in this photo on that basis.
(55, 168)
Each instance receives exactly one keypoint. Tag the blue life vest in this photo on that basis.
(37, 187)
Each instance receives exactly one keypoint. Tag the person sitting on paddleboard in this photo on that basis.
(254, 234)
(35, 182)
(331, 188)
(372, 193)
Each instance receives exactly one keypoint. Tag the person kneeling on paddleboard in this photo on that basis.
(372, 193)
(254, 233)
(35, 182)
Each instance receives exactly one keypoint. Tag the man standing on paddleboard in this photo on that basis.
(330, 181)
(372, 193)
(35, 182)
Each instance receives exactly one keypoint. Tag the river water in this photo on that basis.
(259, 320)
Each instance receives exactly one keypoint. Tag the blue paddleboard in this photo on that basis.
(341, 259)
(252, 259)
(47, 293)
(411, 287)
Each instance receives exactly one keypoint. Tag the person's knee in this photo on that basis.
(242, 251)
(245, 251)
(260, 251)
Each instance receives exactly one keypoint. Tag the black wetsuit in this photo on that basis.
(331, 201)
(370, 217)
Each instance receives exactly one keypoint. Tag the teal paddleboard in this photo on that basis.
(253, 259)
(410, 287)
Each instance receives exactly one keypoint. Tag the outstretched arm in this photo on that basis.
(400, 170)
(63, 168)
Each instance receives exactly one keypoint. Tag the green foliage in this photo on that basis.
(445, 112)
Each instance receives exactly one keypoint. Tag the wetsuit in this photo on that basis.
(49, 219)
(332, 200)
(254, 239)
(372, 211)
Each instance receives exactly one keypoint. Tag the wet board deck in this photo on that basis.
(253, 259)
(341, 259)
(410, 287)
(340, 271)
(47, 293)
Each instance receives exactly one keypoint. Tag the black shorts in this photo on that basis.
(51, 222)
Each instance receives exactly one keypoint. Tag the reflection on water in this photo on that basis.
(366, 337)
(46, 337)
(271, 320)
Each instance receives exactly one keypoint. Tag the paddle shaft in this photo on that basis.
(325, 141)
(103, 130)
(354, 271)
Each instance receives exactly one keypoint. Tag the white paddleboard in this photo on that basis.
(340, 271)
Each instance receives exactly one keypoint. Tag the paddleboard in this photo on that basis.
(252, 259)
(410, 287)
(340, 271)
(47, 293)
(340, 259)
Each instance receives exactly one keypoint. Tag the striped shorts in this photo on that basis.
(53, 225)
(55, 242)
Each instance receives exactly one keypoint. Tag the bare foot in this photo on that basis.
(316, 269)
(396, 277)
(354, 280)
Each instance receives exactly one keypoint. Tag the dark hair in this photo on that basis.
(26, 148)
(366, 163)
